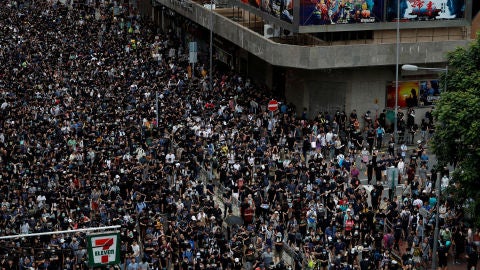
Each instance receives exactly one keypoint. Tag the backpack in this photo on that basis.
(377, 256)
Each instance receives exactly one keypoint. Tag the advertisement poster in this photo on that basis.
(407, 94)
(429, 92)
(282, 9)
(324, 12)
(411, 10)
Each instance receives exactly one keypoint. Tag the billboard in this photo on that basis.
(324, 12)
(407, 94)
(414, 93)
(411, 10)
(330, 12)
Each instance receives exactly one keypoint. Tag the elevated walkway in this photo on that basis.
(313, 54)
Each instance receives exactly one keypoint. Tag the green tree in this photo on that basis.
(457, 135)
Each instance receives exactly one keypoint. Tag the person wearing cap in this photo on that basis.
(237, 264)
(278, 247)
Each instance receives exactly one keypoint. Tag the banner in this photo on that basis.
(103, 249)
(426, 9)
(321, 12)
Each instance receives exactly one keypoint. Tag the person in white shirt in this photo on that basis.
(179, 205)
(428, 186)
(41, 200)
(170, 158)
(401, 167)
(24, 228)
(444, 183)
(329, 137)
(403, 149)
(136, 250)
(417, 203)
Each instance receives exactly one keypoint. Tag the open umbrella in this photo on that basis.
(233, 220)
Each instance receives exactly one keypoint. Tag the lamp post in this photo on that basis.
(437, 183)
(211, 45)
(437, 232)
(397, 57)
(156, 108)
(408, 67)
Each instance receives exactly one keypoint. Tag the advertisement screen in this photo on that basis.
(324, 12)
(407, 94)
(411, 10)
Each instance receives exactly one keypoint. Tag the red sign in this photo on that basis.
(273, 105)
(105, 243)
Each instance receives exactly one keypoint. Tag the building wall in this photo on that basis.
(361, 89)
(260, 71)
(341, 89)
(368, 89)
(415, 50)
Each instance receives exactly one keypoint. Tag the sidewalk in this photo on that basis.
(432, 161)
(451, 264)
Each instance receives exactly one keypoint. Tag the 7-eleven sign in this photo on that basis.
(103, 249)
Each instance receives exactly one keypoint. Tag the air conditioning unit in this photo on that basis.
(270, 31)
(287, 33)
(209, 6)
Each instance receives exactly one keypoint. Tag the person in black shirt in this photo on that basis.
(391, 146)
(376, 168)
(369, 171)
(472, 257)
(375, 197)
(370, 139)
(407, 260)
(442, 255)
(398, 235)
(366, 263)
(459, 243)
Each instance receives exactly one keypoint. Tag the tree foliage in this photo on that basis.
(457, 135)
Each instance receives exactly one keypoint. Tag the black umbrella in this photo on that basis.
(234, 220)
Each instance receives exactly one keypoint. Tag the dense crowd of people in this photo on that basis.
(83, 143)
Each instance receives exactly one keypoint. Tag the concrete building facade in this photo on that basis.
(320, 74)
